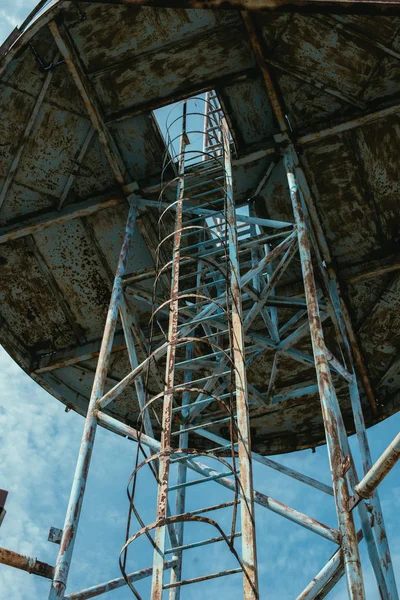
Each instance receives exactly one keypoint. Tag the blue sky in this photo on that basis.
(39, 443)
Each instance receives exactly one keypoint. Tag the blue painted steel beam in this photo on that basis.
(82, 468)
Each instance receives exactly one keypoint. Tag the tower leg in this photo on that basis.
(249, 552)
(71, 523)
(329, 405)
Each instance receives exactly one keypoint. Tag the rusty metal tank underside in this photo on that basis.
(63, 212)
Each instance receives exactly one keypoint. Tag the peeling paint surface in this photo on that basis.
(329, 68)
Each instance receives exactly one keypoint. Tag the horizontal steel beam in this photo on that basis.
(26, 563)
(264, 460)
(267, 502)
(69, 357)
(147, 203)
(38, 223)
(385, 463)
(114, 584)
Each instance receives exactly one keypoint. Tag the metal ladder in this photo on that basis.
(204, 366)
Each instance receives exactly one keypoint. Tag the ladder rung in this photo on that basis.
(202, 425)
(200, 511)
(179, 486)
(198, 544)
(200, 358)
(211, 451)
(204, 578)
(182, 387)
(200, 183)
(208, 399)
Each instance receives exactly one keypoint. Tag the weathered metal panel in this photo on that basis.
(50, 152)
(94, 176)
(215, 54)
(79, 273)
(313, 47)
(11, 129)
(385, 316)
(348, 217)
(141, 147)
(307, 106)
(137, 56)
(255, 124)
(27, 302)
(132, 31)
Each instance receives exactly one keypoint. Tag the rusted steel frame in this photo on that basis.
(373, 553)
(150, 272)
(147, 203)
(193, 518)
(32, 225)
(76, 166)
(298, 334)
(149, 239)
(329, 410)
(133, 360)
(267, 259)
(342, 315)
(307, 390)
(341, 312)
(205, 542)
(176, 573)
(378, 523)
(378, 549)
(143, 343)
(292, 321)
(337, 366)
(81, 472)
(25, 136)
(254, 250)
(139, 385)
(204, 577)
(273, 311)
(272, 378)
(249, 552)
(266, 501)
(114, 584)
(26, 563)
(316, 136)
(385, 463)
(82, 82)
(267, 291)
(273, 465)
(164, 465)
(130, 378)
(66, 358)
(157, 353)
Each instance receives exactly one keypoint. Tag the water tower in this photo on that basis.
(219, 289)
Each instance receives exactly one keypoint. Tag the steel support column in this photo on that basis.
(351, 555)
(82, 468)
(249, 554)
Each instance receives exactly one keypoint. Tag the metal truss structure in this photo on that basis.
(221, 268)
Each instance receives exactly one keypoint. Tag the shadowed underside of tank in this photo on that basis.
(63, 210)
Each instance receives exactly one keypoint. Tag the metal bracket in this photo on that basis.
(55, 535)
(3, 498)
(353, 502)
